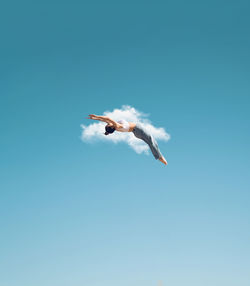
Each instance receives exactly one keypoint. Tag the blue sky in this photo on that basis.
(76, 214)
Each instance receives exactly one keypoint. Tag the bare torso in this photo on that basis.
(131, 126)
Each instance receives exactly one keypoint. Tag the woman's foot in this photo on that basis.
(163, 160)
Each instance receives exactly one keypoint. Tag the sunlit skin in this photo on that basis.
(117, 126)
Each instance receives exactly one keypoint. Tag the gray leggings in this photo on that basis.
(140, 132)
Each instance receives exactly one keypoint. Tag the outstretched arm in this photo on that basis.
(104, 119)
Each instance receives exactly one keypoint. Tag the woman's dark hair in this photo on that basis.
(109, 130)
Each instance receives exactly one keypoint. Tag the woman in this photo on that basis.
(137, 129)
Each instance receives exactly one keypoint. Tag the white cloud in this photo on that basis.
(95, 131)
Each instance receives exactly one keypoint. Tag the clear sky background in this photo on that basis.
(78, 214)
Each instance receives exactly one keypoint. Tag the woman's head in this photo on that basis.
(109, 129)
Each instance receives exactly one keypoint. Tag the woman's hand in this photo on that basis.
(93, 116)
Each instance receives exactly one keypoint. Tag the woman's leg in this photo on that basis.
(142, 134)
(154, 147)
